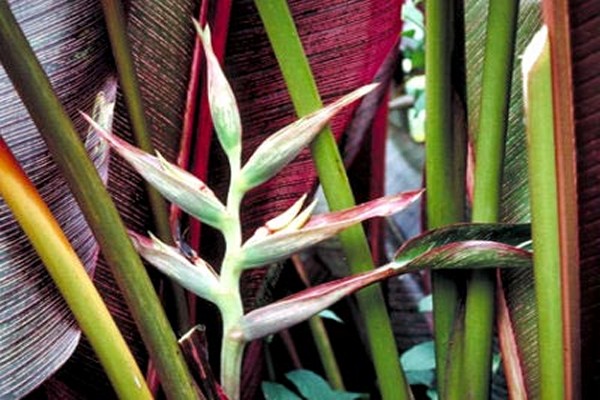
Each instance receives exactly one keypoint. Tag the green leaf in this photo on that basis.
(313, 387)
(419, 364)
(276, 391)
(426, 304)
(291, 310)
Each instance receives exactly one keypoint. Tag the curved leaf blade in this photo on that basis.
(38, 332)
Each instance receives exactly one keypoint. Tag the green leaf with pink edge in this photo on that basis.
(173, 182)
(472, 254)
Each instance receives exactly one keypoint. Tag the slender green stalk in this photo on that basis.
(117, 31)
(544, 215)
(289, 52)
(65, 145)
(70, 277)
(330, 365)
(444, 169)
(321, 338)
(495, 97)
(231, 307)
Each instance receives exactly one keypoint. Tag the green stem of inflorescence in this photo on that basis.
(231, 306)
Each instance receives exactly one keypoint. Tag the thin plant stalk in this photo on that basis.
(321, 338)
(495, 97)
(71, 278)
(67, 150)
(117, 32)
(445, 195)
(303, 91)
(544, 215)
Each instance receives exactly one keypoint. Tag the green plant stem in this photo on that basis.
(330, 365)
(231, 307)
(544, 219)
(303, 91)
(495, 97)
(65, 145)
(72, 280)
(321, 338)
(444, 169)
(117, 32)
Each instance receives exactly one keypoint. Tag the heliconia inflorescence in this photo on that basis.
(292, 231)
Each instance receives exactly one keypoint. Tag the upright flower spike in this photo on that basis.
(176, 184)
(223, 107)
(283, 146)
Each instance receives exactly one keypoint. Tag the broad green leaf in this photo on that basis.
(426, 304)
(176, 184)
(260, 249)
(313, 387)
(418, 363)
(419, 357)
(276, 391)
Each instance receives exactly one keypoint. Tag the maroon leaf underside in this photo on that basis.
(585, 37)
(162, 41)
(35, 320)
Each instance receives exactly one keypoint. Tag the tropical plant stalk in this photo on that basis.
(117, 32)
(495, 97)
(537, 81)
(321, 338)
(444, 156)
(71, 278)
(65, 145)
(282, 33)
